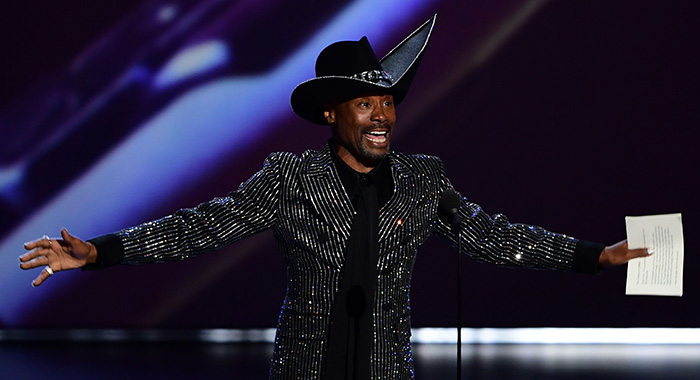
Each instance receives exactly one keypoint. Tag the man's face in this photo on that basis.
(362, 129)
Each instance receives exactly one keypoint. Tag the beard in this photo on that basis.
(371, 155)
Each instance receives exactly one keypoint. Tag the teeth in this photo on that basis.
(375, 133)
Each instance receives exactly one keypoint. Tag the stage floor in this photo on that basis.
(135, 361)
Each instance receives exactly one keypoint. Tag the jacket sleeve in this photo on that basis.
(193, 231)
(494, 239)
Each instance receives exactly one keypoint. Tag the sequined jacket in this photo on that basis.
(302, 200)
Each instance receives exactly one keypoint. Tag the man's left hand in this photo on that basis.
(618, 254)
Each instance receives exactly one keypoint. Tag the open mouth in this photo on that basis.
(377, 137)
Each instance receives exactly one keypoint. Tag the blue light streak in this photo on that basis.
(176, 148)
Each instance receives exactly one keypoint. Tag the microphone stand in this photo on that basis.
(448, 210)
(455, 228)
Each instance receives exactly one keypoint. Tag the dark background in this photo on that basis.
(585, 113)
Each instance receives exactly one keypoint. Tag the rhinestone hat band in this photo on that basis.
(373, 76)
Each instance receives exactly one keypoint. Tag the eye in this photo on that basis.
(364, 104)
(388, 103)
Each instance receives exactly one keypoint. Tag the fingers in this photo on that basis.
(38, 256)
(70, 239)
(619, 254)
(641, 252)
(44, 242)
(33, 259)
(637, 252)
(43, 276)
(633, 253)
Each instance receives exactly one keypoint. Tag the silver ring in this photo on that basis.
(48, 270)
(46, 237)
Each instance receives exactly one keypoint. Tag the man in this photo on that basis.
(349, 219)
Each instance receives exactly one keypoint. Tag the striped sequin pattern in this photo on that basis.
(302, 200)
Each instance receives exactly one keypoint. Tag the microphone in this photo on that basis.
(448, 207)
(448, 212)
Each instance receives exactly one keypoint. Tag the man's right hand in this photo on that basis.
(56, 255)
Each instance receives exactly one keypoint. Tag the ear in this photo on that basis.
(329, 114)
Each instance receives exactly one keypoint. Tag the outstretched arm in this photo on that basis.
(56, 255)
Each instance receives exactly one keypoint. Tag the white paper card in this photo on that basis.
(660, 274)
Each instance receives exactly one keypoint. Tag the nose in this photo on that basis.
(379, 114)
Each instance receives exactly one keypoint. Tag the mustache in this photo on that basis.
(376, 126)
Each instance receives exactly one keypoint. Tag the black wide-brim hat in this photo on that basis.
(348, 69)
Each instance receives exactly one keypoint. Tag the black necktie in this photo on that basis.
(350, 343)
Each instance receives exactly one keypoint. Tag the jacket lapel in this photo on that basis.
(401, 205)
(323, 188)
(325, 191)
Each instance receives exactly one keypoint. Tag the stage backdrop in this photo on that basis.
(565, 114)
